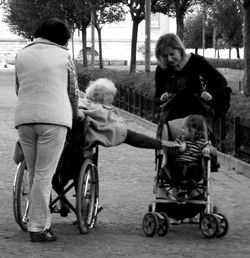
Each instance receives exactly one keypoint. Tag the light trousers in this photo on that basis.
(42, 145)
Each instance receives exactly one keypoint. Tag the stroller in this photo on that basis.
(157, 219)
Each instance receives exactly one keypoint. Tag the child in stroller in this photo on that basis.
(184, 169)
(182, 182)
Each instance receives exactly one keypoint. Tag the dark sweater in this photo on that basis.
(188, 78)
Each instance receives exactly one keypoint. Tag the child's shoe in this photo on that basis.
(175, 221)
(195, 219)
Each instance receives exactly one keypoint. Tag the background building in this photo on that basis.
(116, 37)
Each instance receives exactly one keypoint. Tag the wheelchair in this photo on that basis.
(85, 181)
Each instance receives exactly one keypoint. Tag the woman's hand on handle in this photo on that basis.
(206, 96)
(165, 96)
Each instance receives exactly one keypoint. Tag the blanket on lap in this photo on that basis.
(103, 125)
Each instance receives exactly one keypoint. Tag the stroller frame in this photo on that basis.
(157, 219)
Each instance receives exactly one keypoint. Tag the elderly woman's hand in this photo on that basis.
(206, 96)
(80, 115)
(170, 144)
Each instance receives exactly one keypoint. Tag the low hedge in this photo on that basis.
(227, 63)
(138, 81)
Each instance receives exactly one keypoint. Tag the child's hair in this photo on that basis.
(197, 127)
(98, 88)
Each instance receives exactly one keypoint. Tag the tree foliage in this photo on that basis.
(227, 17)
(105, 12)
(23, 16)
(193, 32)
(178, 9)
(137, 12)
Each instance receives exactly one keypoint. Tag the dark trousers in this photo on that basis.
(185, 171)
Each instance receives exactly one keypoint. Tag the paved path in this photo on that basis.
(126, 184)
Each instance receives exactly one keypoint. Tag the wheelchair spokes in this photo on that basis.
(87, 196)
(21, 196)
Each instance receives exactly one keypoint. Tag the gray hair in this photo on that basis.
(165, 41)
(98, 88)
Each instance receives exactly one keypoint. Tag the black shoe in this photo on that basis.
(64, 211)
(45, 236)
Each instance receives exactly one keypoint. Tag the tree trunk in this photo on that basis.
(133, 46)
(99, 32)
(218, 53)
(229, 52)
(84, 47)
(180, 26)
(247, 47)
(214, 41)
(238, 52)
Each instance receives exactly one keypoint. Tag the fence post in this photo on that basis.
(153, 110)
(236, 134)
(140, 104)
(129, 100)
(134, 101)
(222, 133)
(119, 95)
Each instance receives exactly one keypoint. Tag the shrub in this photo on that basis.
(227, 63)
(138, 81)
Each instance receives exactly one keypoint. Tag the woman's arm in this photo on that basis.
(73, 90)
(215, 81)
(159, 85)
(17, 85)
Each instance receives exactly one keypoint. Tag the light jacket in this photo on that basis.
(103, 124)
(42, 73)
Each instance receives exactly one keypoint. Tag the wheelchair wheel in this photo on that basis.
(87, 196)
(21, 196)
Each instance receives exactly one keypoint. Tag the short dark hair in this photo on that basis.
(55, 30)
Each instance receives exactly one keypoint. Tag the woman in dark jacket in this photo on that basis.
(181, 72)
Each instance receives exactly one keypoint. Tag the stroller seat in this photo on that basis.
(187, 189)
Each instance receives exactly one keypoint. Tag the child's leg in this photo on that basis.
(195, 172)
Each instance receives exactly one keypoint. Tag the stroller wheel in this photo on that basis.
(163, 226)
(209, 225)
(150, 224)
(223, 225)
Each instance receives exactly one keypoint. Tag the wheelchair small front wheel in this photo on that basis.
(87, 196)
(21, 196)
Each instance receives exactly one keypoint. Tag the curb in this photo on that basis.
(233, 163)
(228, 161)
